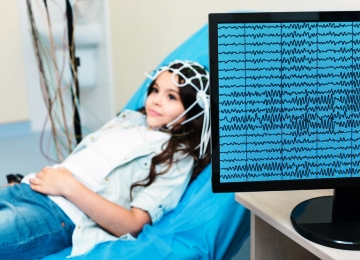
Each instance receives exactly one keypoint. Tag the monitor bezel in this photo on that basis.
(264, 17)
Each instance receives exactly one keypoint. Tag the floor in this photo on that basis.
(19, 150)
(22, 151)
(244, 252)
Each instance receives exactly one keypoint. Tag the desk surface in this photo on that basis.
(275, 207)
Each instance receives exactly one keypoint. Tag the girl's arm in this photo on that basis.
(112, 217)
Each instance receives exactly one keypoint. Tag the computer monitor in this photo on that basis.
(285, 113)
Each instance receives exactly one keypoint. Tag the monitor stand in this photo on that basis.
(332, 221)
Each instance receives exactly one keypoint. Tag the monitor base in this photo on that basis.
(313, 219)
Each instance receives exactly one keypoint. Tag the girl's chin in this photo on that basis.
(153, 125)
(155, 122)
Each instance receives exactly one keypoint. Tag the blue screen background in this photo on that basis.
(289, 97)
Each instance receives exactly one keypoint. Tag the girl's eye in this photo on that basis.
(155, 90)
(172, 97)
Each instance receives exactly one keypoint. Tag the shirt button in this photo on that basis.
(79, 226)
(123, 115)
(106, 179)
(92, 138)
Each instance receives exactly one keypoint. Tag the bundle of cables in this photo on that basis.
(56, 92)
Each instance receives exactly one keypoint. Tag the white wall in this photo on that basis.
(13, 93)
(145, 32)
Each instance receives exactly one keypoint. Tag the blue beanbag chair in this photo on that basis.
(204, 225)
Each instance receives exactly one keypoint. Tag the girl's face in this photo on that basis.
(163, 104)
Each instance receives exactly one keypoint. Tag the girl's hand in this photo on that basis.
(52, 181)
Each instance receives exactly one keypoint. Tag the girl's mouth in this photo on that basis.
(153, 113)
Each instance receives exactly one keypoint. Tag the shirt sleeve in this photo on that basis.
(165, 192)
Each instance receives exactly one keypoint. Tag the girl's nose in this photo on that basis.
(157, 100)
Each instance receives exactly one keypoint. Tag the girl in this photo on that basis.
(127, 174)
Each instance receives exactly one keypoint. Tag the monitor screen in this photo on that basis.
(285, 100)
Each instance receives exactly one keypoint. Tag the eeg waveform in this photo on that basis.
(289, 101)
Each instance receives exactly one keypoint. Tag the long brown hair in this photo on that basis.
(184, 138)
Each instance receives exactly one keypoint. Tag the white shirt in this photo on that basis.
(119, 169)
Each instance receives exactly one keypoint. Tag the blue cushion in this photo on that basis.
(204, 225)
